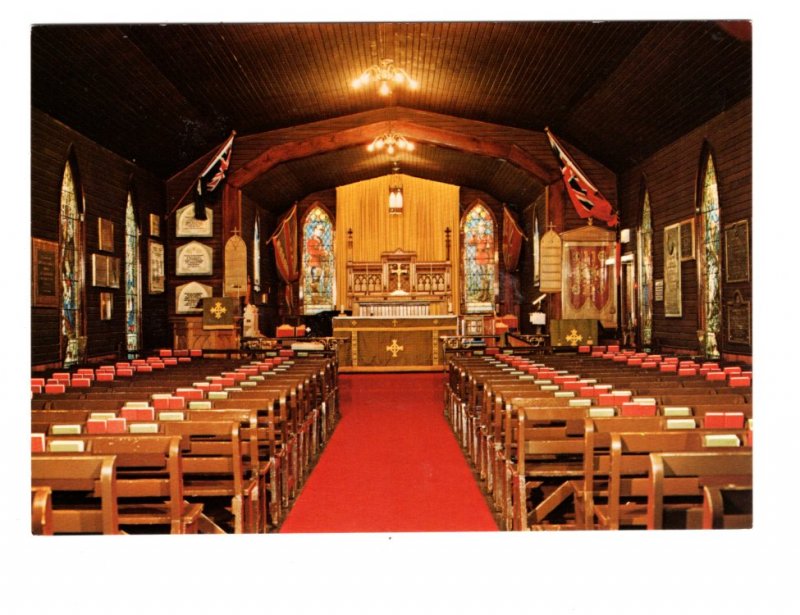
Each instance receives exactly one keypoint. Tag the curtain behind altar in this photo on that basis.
(428, 209)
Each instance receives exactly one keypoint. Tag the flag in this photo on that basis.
(585, 197)
(512, 241)
(284, 240)
(211, 177)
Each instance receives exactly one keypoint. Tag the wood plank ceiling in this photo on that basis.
(164, 95)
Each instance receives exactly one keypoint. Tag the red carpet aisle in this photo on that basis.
(392, 464)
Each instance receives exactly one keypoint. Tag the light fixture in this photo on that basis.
(395, 192)
(386, 74)
(392, 141)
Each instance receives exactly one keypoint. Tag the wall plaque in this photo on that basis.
(45, 273)
(105, 235)
(672, 272)
(737, 252)
(155, 225)
(105, 271)
(155, 267)
(687, 240)
(186, 225)
(194, 258)
(658, 290)
(550, 263)
(189, 297)
(739, 320)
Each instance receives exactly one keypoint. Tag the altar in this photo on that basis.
(387, 344)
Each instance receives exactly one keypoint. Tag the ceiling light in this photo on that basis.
(385, 74)
(392, 142)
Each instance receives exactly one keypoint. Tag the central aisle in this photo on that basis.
(392, 465)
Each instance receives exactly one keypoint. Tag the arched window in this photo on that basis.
(133, 304)
(71, 265)
(480, 259)
(256, 256)
(318, 286)
(646, 271)
(709, 261)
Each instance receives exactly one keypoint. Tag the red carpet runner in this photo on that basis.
(392, 465)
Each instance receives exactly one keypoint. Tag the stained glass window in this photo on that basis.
(318, 286)
(480, 267)
(710, 271)
(70, 259)
(646, 272)
(132, 267)
(256, 257)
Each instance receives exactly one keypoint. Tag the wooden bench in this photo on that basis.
(727, 507)
(84, 491)
(677, 482)
(41, 511)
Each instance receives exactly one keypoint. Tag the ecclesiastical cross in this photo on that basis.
(574, 337)
(218, 310)
(398, 271)
(394, 348)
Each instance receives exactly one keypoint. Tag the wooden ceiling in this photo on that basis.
(165, 95)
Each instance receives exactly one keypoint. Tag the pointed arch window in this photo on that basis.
(256, 256)
(318, 285)
(479, 233)
(709, 265)
(646, 271)
(133, 305)
(71, 266)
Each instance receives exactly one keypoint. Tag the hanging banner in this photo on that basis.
(284, 240)
(589, 281)
(512, 241)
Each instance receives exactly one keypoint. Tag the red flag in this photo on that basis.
(284, 240)
(512, 241)
(585, 197)
(211, 177)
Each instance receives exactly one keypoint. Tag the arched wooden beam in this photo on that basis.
(361, 135)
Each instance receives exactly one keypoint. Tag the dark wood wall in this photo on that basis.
(105, 180)
(671, 177)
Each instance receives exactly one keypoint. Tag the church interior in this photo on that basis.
(388, 277)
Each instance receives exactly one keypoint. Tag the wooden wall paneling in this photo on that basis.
(671, 176)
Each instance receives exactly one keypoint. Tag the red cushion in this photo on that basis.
(739, 381)
(117, 425)
(613, 348)
(687, 371)
(81, 382)
(37, 443)
(286, 352)
(96, 426)
(52, 389)
(734, 420)
(184, 359)
(630, 408)
(196, 352)
(668, 367)
(584, 349)
(165, 352)
(105, 376)
(635, 361)
(125, 372)
(36, 388)
(715, 376)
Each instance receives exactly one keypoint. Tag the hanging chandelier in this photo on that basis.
(385, 74)
(392, 141)
(395, 192)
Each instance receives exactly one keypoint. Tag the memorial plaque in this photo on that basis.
(105, 235)
(186, 225)
(155, 225)
(737, 252)
(189, 297)
(45, 273)
(687, 240)
(550, 263)
(672, 272)
(105, 271)
(156, 270)
(193, 259)
(739, 320)
(658, 290)
(235, 282)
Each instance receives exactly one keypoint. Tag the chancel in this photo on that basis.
(502, 281)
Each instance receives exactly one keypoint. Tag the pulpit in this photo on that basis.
(573, 332)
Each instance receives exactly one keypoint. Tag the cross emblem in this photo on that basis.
(394, 348)
(218, 310)
(574, 337)
(394, 322)
(398, 271)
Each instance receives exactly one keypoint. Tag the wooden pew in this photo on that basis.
(677, 481)
(727, 507)
(90, 480)
(41, 511)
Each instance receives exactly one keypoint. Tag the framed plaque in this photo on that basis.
(194, 258)
(189, 297)
(737, 252)
(186, 225)
(155, 267)
(658, 290)
(106, 306)
(45, 284)
(105, 271)
(687, 240)
(672, 272)
(105, 235)
(155, 225)
(739, 327)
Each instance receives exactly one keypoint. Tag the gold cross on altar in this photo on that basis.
(574, 337)
(218, 310)
(394, 348)
(398, 271)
